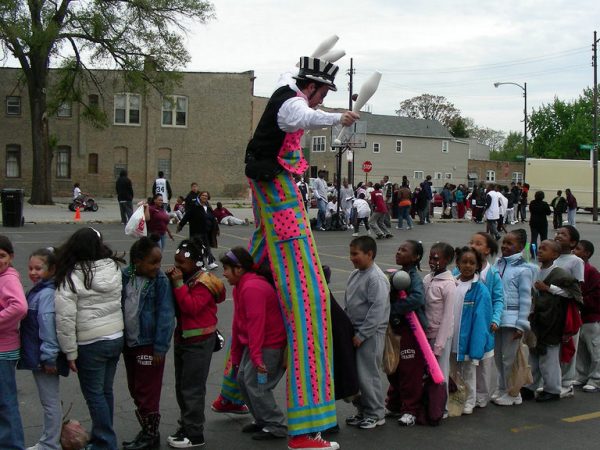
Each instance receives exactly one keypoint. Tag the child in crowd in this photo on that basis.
(89, 323)
(588, 350)
(472, 317)
(568, 238)
(149, 313)
(487, 381)
(39, 345)
(440, 287)
(554, 287)
(258, 343)
(179, 208)
(196, 294)
(405, 393)
(367, 305)
(362, 213)
(517, 277)
(377, 220)
(13, 307)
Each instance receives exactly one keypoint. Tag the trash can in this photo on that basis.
(12, 207)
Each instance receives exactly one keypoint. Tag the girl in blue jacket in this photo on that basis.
(40, 351)
(472, 316)
(487, 374)
(517, 276)
(149, 312)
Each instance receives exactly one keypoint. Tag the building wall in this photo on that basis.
(209, 150)
(503, 171)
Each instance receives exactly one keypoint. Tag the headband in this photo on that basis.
(232, 257)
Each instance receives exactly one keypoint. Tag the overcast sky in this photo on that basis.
(454, 48)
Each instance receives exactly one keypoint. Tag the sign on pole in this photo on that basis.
(367, 166)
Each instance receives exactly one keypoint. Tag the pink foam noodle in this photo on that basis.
(434, 368)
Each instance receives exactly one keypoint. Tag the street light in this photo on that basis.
(524, 88)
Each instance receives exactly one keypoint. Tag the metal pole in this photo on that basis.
(595, 133)
(350, 88)
(525, 134)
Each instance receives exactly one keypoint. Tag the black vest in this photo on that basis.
(268, 137)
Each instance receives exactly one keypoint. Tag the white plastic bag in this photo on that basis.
(136, 227)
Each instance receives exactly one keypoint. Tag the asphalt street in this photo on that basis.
(570, 423)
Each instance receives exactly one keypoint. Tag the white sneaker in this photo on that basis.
(578, 383)
(371, 422)
(508, 400)
(566, 392)
(369, 232)
(467, 410)
(407, 420)
(212, 266)
(354, 234)
(590, 389)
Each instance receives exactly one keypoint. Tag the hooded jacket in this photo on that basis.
(517, 280)
(13, 307)
(89, 314)
(439, 308)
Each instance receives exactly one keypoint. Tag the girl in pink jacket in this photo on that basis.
(13, 308)
(258, 343)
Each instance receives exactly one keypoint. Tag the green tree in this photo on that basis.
(459, 128)
(557, 129)
(121, 34)
(512, 148)
(427, 106)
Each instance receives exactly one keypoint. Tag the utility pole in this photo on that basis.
(350, 88)
(595, 131)
(525, 133)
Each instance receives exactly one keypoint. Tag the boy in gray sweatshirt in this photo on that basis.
(367, 301)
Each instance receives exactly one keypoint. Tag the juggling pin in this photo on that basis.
(325, 46)
(333, 55)
(366, 92)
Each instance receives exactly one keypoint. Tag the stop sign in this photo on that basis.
(367, 166)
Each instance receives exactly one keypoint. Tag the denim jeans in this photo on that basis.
(404, 215)
(322, 205)
(11, 429)
(97, 365)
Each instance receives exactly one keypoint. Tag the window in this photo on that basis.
(445, 145)
(376, 147)
(318, 143)
(93, 100)
(13, 161)
(398, 146)
(13, 106)
(127, 109)
(93, 163)
(174, 111)
(517, 177)
(448, 175)
(490, 175)
(418, 175)
(65, 110)
(437, 175)
(63, 162)
(164, 165)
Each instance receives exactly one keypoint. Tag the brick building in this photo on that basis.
(500, 172)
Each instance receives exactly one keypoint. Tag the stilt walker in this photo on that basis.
(283, 235)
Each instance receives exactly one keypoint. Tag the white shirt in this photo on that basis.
(493, 211)
(161, 187)
(572, 264)
(76, 193)
(320, 189)
(362, 208)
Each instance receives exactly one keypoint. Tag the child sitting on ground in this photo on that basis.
(554, 287)
(368, 306)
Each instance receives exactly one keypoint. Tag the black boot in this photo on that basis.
(149, 438)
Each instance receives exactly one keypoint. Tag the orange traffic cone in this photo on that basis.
(77, 214)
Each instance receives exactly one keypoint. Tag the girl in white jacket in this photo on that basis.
(89, 324)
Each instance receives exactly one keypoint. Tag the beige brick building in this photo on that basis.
(197, 134)
(500, 172)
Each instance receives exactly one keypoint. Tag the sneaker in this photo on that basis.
(354, 420)
(311, 442)
(212, 266)
(369, 232)
(508, 400)
(185, 442)
(407, 420)
(481, 403)
(354, 234)
(527, 394)
(222, 405)
(371, 422)
(446, 415)
(389, 235)
(577, 384)
(467, 410)
(392, 414)
(322, 229)
(179, 434)
(380, 236)
(409, 228)
(547, 397)
(251, 428)
(567, 392)
(590, 389)
(265, 435)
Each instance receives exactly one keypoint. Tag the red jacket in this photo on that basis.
(378, 202)
(196, 310)
(590, 289)
(257, 319)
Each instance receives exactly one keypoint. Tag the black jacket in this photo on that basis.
(124, 189)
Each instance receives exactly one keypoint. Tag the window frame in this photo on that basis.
(399, 141)
(63, 112)
(490, 176)
(448, 176)
(316, 144)
(12, 148)
(421, 177)
(378, 146)
(63, 149)
(445, 146)
(19, 106)
(128, 109)
(438, 176)
(97, 163)
(174, 111)
(518, 178)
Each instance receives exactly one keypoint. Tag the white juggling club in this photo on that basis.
(333, 55)
(325, 46)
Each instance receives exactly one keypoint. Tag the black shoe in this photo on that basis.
(187, 442)
(144, 441)
(126, 444)
(389, 235)
(263, 435)
(251, 428)
(380, 236)
(547, 397)
(527, 394)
